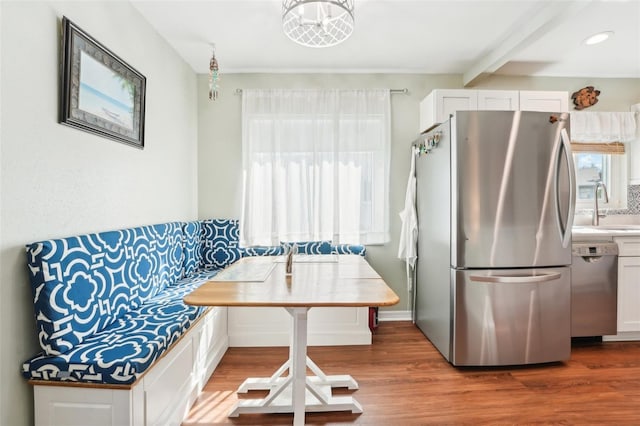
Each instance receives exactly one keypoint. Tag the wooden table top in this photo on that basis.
(348, 280)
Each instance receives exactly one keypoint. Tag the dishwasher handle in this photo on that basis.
(516, 279)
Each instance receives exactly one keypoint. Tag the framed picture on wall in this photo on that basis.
(101, 93)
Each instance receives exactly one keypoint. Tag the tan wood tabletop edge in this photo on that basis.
(352, 283)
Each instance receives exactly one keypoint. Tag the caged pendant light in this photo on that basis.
(318, 23)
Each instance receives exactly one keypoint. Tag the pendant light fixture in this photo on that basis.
(318, 23)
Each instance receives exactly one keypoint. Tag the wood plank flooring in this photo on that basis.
(405, 381)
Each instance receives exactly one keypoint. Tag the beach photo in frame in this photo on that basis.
(101, 93)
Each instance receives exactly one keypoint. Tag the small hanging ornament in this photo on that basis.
(214, 76)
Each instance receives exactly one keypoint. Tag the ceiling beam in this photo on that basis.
(534, 24)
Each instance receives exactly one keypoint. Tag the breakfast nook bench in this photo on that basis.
(118, 345)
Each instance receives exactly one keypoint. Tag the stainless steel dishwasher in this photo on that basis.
(594, 288)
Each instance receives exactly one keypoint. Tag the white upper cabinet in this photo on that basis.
(440, 103)
(544, 101)
(498, 100)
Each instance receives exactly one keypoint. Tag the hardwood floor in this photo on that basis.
(405, 381)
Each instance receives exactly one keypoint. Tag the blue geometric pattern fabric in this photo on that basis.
(220, 246)
(192, 247)
(122, 352)
(109, 304)
(349, 249)
(309, 247)
(263, 251)
(82, 284)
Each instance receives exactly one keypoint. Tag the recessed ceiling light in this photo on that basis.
(598, 38)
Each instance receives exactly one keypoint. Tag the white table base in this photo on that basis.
(297, 393)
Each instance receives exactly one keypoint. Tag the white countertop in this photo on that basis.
(581, 233)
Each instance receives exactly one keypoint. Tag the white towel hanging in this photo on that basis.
(408, 248)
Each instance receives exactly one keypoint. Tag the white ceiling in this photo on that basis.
(469, 37)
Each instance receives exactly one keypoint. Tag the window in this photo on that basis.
(315, 166)
(610, 169)
(598, 141)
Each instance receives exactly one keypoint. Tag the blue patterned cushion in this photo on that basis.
(121, 353)
(310, 247)
(82, 284)
(192, 247)
(263, 251)
(163, 244)
(202, 275)
(349, 249)
(220, 244)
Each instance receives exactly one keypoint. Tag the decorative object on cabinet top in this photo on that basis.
(585, 97)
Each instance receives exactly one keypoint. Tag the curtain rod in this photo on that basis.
(404, 91)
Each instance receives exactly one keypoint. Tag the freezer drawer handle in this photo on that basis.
(516, 278)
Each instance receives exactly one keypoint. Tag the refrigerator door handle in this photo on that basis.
(515, 279)
(565, 228)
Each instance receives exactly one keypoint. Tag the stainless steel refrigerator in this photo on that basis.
(495, 203)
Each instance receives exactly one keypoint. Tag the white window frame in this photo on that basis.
(616, 182)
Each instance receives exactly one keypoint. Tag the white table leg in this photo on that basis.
(298, 362)
(297, 393)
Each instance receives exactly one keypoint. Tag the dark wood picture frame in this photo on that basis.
(100, 93)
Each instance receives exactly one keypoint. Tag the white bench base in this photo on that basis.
(249, 327)
(163, 396)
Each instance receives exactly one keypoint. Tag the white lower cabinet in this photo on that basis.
(629, 294)
(628, 289)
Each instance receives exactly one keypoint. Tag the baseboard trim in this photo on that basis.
(622, 337)
(384, 315)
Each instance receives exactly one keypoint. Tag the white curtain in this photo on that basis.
(315, 166)
(599, 127)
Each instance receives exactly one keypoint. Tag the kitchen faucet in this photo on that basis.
(595, 220)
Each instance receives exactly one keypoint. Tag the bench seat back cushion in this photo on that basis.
(308, 247)
(220, 243)
(192, 247)
(82, 284)
(358, 249)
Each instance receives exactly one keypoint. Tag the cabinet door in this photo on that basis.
(544, 101)
(498, 100)
(628, 294)
(440, 103)
(450, 101)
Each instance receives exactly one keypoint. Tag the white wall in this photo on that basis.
(57, 181)
(220, 140)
